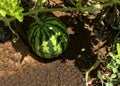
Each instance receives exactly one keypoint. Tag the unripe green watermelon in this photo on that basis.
(48, 37)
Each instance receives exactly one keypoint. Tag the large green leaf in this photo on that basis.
(11, 8)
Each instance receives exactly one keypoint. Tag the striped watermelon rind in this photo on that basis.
(48, 37)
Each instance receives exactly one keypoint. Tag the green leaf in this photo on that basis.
(112, 55)
(118, 59)
(44, 1)
(99, 75)
(118, 74)
(115, 70)
(113, 75)
(118, 48)
(98, 6)
(3, 12)
(11, 8)
(18, 14)
(108, 84)
(19, 17)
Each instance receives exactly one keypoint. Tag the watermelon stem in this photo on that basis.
(17, 36)
(50, 9)
(7, 21)
(37, 19)
(43, 10)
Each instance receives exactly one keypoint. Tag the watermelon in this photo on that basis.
(48, 37)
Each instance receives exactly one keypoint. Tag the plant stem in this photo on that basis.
(89, 70)
(50, 10)
(43, 10)
(79, 8)
(17, 36)
(113, 47)
(7, 21)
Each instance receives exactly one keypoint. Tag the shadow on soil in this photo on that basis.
(80, 46)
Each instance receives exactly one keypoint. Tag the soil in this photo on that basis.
(66, 70)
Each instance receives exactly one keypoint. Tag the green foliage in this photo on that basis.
(112, 17)
(113, 67)
(94, 7)
(44, 1)
(118, 48)
(99, 75)
(11, 8)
